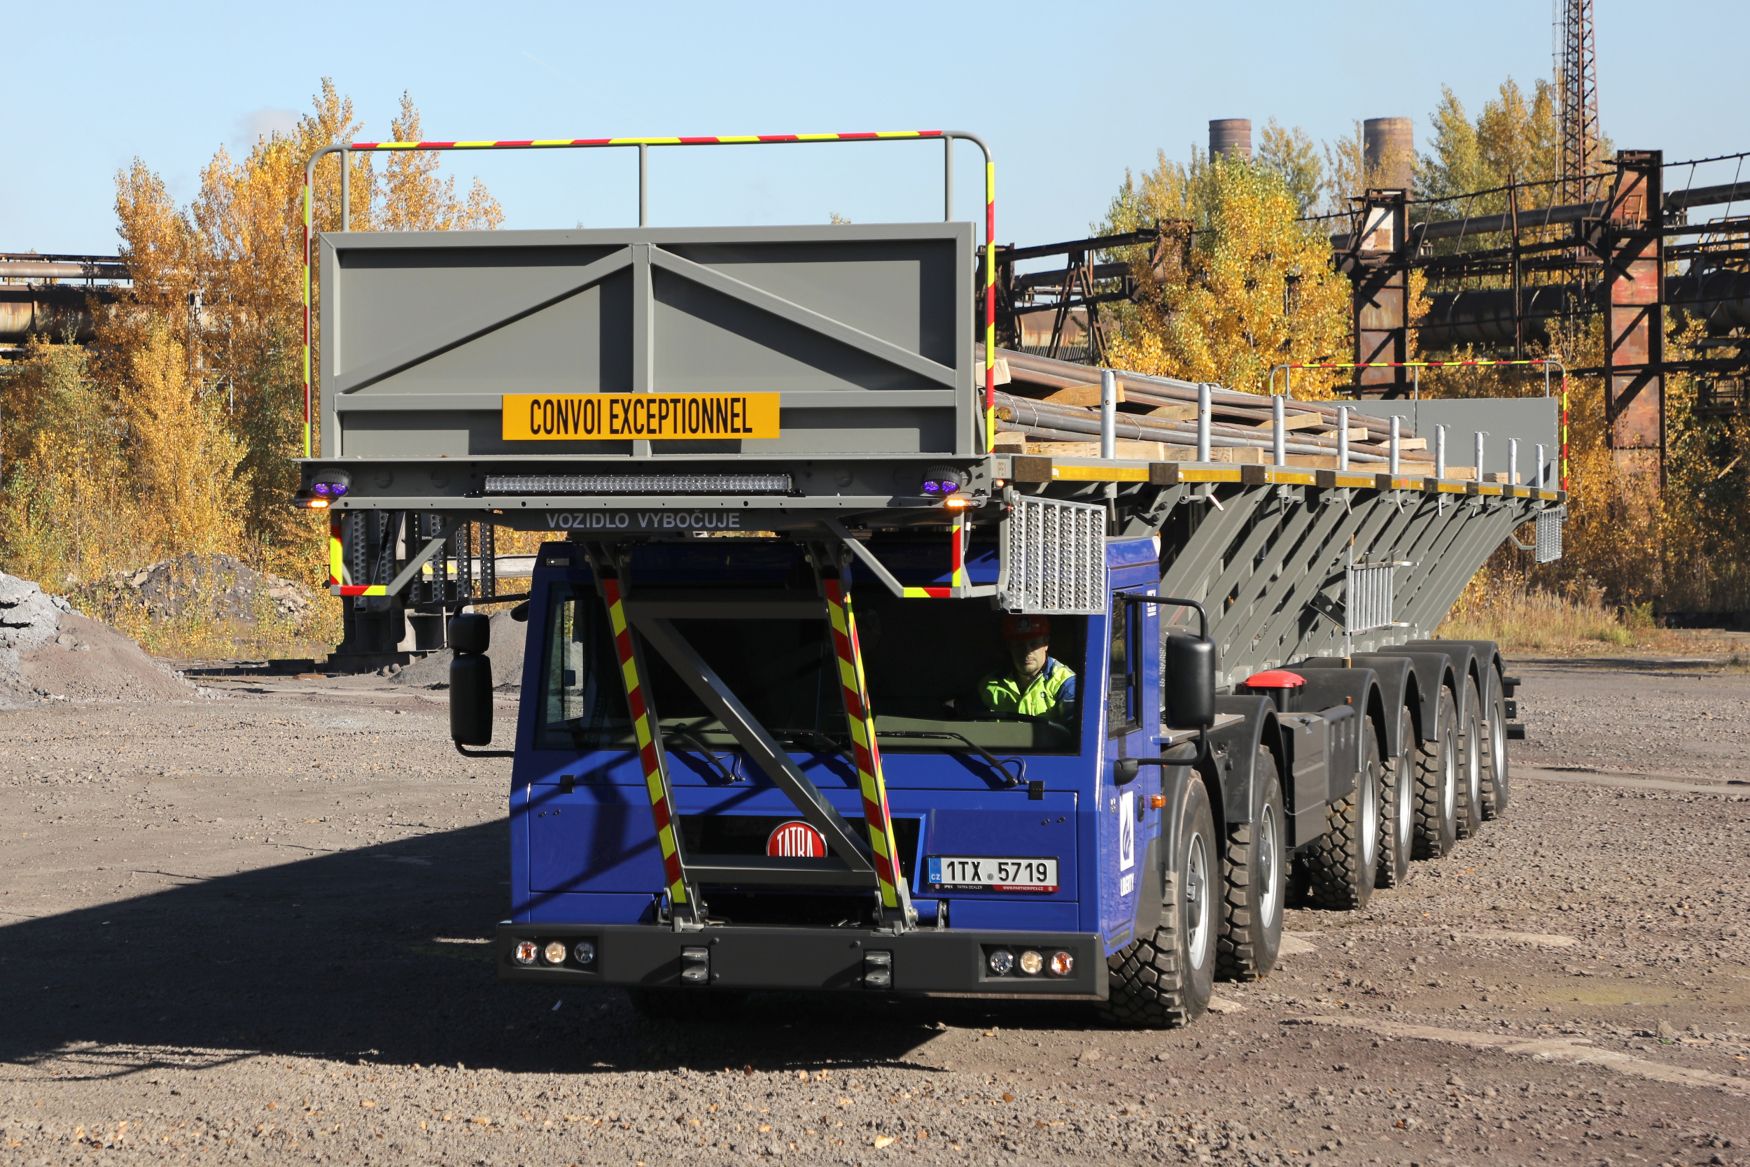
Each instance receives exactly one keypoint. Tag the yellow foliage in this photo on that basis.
(1257, 291)
(183, 458)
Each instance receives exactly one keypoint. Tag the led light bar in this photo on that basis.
(497, 484)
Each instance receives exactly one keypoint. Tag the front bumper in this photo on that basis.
(924, 961)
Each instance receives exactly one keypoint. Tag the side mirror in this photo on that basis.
(1188, 683)
(470, 632)
(470, 681)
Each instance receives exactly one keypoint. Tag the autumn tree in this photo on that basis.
(1257, 288)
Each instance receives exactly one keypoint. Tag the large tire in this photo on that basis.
(1341, 863)
(1495, 787)
(1254, 883)
(1436, 765)
(1470, 763)
(1165, 980)
(1397, 808)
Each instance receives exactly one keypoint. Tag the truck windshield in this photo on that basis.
(931, 665)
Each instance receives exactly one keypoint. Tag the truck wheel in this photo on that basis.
(1436, 764)
(1341, 863)
(1397, 808)
(1470, 764)
(1166, 979)
(1495, 757)
(1254, 884)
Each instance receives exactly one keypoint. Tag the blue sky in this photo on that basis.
(1067, 94)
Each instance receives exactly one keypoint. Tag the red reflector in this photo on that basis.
(1275, 679)
(796, 840)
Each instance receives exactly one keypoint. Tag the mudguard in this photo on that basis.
(1330, 684)
(1258, 728)
(1482, 659)
(1430, 670)
(1393, 686)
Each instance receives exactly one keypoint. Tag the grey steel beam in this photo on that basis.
(1205, 551)
(1308, 567)
(767, 754)
(1329, 551)
(1231, 622)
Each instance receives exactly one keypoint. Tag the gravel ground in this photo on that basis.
(252, 928)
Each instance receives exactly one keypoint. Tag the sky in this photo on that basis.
(1067, 94)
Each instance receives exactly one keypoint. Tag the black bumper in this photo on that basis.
(924, 961)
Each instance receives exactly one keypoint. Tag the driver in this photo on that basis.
(1038, 685)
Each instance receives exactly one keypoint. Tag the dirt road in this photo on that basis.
(251, 927)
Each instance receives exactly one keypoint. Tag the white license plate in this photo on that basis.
(995, 873)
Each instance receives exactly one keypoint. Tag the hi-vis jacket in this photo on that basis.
(1050, 694)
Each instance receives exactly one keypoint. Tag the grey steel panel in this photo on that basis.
(865, 330)
(1532, 420)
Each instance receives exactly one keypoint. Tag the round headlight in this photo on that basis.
(525, 952)
(1032, 962)
(583, 952)
(1062, 964)
(1001, 961)
(555, 952)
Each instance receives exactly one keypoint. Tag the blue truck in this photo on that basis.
(793, 561)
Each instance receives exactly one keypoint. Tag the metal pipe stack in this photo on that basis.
(1050, 406)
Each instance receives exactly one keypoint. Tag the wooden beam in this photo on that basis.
(1084, 395)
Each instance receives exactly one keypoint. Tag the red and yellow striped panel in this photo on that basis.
(339, 578)
(1478, 363)
(863, 744)
(655, 779)
(698, 140)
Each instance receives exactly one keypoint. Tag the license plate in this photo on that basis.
(664, 417)
(994, 873)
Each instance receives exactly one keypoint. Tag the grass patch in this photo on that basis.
(1526, 620)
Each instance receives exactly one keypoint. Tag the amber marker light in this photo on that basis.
(957, 502)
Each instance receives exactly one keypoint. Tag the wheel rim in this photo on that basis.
(1270, 902)
(1405, 802)
(1473, 775)
(1498, 749)
(1197, 898)
(1406, 813)
(1449, 781)
(1369, 817)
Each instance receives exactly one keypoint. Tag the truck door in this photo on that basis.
(1131, 725)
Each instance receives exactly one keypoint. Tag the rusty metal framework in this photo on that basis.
(1577, 83)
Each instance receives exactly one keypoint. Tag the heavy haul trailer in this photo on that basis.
(728, 776)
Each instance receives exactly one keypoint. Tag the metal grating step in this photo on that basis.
(1053, 557)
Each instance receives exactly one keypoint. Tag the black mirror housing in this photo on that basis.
(1188, 681)
(471, 699)
(470, 632)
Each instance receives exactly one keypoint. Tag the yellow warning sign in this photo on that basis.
(573, 417)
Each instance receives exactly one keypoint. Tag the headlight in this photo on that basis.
(1032, 962)
(1001, 960)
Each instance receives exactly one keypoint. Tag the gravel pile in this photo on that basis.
(505, 651)
(48, 652)
(221, 587)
